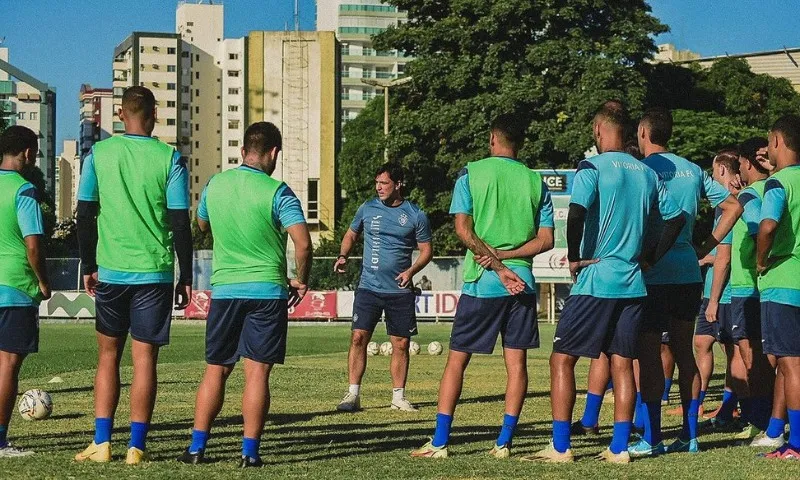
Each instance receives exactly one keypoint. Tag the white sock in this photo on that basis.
(398, 394)
(355, 389)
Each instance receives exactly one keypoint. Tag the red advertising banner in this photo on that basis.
(313, 305)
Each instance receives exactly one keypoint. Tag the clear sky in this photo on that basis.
(66, 43)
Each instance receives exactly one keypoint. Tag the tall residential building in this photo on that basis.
(97, 116)
(233, 61)
(27, 101)
(152, 60)
(69, 174)
(291, 82)
(355, 22)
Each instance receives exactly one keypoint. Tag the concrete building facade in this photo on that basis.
(69, 174)
(233, 60)
(96, 117)
(783, 63)
(355, 22)
(291, 82)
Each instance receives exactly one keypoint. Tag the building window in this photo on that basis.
(185, 124)
(345, 50)
(233, 56)
(21, 116)
(233, 124)
(186, 89)
(313, 198)
(233, 73)
(196, 197)
(196, 57)
(233, 143)
(170, 103)
(233, 91)
(196, 179)
(196, 162)
(196, 127)
(196, 144)
(34, 116)
(233, 160)
(196, 109)
(171, 50)
(185, 107)
(190, 24)
(171, 122)
(118, 91)
(197, 75)
(185, 54)
(171, 68)
(197, 92)
(170, 86)
(233, 108)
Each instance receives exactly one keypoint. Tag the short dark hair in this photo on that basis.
(613, 112)
(262, 137)
(395, 171)
(729, 158)
(659, 120)
(748, 150)
(511, 129)
(138, 100)
(16, 139)
(789, 127)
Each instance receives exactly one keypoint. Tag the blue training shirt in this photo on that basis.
(390, 236)
(286, 212)
(29, 219)
(687, 184)
(774, 207)
(751, 204)
(725, 298)
(489, 285)
(177, 199)
(619, 193)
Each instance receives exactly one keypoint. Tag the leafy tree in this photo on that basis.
(201, 241)
(552, 62)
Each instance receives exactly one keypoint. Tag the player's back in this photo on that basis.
(619, 193)
(132, 173)
(249, 244)
(15, 271)
(686, 184)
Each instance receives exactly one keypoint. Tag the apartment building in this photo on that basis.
(96, 117)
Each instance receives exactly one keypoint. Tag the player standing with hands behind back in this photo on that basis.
(392, 226)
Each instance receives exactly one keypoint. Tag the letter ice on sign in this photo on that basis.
(555, 183)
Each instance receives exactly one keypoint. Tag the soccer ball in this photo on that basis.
(386, 348)
(413, 348)
(372, 348)
(35, 405)
(434, 348)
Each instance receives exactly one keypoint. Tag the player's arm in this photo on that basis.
(86, 222)
(772, 209)
(465, 230)
(545, 237)
(178, 212)
(731, 211)
(203, 221)
(585, 191)
(31, 224)
(303, 256)
(722, 268)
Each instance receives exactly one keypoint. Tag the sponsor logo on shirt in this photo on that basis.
(375, 228)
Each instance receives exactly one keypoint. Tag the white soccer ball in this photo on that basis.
(434, 348)
(386, 348)
(413, 348)
(372, 348)
(35, 405)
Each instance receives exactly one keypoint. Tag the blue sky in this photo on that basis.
(66, 43)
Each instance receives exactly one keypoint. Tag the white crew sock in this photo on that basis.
(355, 389)
(398, 394)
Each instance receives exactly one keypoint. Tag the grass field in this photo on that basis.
(305, 438)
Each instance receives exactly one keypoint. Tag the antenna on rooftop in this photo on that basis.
(296, 15)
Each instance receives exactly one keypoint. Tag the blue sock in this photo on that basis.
(667, 387)
(138, 435)
(591, 413)
(694, 405)
(729, 401)
(102, 430)
(561, 435)
(746, 404)
(3, 436)
(638, 414)
(442, 433)
(609, 385)
(507, 432)
(794, 428)
(651, 411)
(199, 440)
(702, 396)
(776, 427)
(250, 447)
(622, 433)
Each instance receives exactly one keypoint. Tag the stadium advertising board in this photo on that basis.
(552, 266)
(313, 305)
(430, 304)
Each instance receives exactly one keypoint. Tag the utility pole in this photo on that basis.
(386, 85)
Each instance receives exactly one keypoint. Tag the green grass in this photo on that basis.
(305, 438)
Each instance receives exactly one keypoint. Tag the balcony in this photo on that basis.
(7, 87)
(7, 107)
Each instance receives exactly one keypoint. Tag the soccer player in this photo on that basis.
(133, 217)
(504, 216)
(745, 301)
(778, 263)
(251, 215)
(674, 286)
(392, 226)
(612, 197)
(23, 276)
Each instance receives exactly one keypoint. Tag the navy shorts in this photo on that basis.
(590, 326)
(722, 330)
(400, 310)
(144, 310)
(663, 302)
(19, 330)
(780, 329)
(746, 315)
(254, 329)
(479, 321)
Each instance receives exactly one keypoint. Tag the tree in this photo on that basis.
(200, 240)
(551, 62)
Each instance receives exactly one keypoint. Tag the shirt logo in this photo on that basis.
(355, 317)
(403, 219)
(556, 339)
